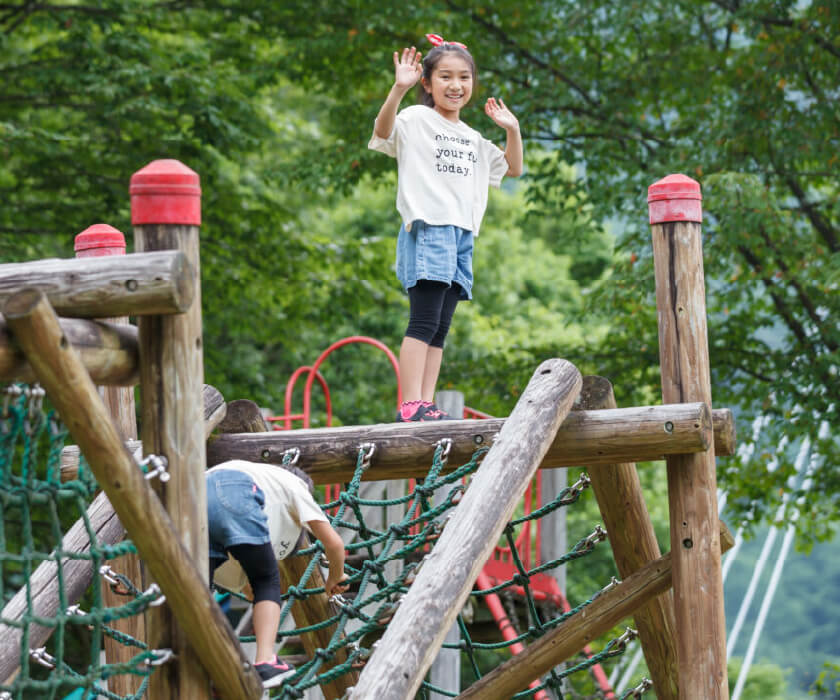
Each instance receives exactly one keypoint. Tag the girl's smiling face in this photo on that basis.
(451, 85)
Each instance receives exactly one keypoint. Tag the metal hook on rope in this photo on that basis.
(161, 656)
(367, 449)
(159, 599)
(119, 584)
(36, 396)
(599, 534)
(575, 489)
(612, 584)
(158, 464)
(41, 656)
(446, 443)
(640, 689)
(621, 643)
(12, 391)
(291, 456)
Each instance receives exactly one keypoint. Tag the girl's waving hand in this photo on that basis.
(407, 68)
(499, 113)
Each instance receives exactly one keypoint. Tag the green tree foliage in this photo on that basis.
(738, 94)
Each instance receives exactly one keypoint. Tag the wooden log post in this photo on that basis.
(622, 504)
(41, 596)
(404, 450)
(413, 637)
(182, 580)
(100, 241)
(244, 416)
(445, 672)
(675, 216)
(166, 214)
(108, 352)
(129, 285)
(563, 642)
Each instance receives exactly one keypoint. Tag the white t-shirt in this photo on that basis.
(444, 168)
(288, 507)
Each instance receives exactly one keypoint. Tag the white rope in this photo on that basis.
(777, 571)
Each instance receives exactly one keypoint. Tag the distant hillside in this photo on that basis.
(801, 631)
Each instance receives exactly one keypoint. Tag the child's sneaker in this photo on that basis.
(411, 411)
(432, 412)
(273, 673)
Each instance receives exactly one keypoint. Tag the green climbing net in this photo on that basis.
(359, 621)
(58, 653)
(60, 643)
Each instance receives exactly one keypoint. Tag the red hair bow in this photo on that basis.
(438, 40)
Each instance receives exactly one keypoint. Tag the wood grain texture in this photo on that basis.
(416, 632)
(171, 380)
(563, 642)
(59, 370)
(405, 450)
(119, 402)
(109, 352)
(692, 481)
(625, 515)
(161, 282)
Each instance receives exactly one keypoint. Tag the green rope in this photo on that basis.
(36, 509)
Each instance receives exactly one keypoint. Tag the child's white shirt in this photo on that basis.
(444, 168)
(288, 507)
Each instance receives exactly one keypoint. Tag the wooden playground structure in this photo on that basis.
(53, 332)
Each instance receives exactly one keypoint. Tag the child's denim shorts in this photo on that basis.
(442, 253)
(235, 512)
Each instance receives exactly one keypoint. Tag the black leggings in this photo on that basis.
(260, 566)
(432, 305)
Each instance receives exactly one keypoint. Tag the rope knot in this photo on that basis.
(296, 593)
(324, 654)
(373, 566)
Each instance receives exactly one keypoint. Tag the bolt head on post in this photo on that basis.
(675, 198)
(165, 192)
(98, 241)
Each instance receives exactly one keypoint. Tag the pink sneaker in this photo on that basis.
(273, 673)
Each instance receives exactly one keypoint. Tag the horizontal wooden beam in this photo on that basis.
(108, 351)
(563, 642)
(405, 450)
(138, 284)
(215, 410)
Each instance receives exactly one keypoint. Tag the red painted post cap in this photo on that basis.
(165, 192)
(99, 240)
(675, 198)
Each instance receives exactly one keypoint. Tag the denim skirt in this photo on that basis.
(440, 253)
(235, 511)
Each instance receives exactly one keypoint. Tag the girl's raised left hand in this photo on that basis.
(499, 113)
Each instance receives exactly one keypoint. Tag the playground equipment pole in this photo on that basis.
(633, 541)
(675, 216)
(99, 241)
(166, 215)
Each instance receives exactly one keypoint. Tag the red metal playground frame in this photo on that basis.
(500, 566)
